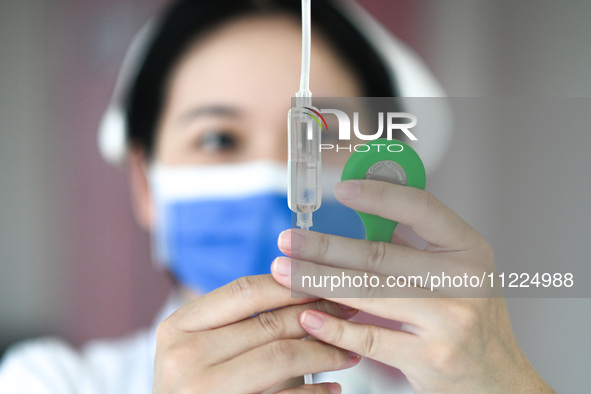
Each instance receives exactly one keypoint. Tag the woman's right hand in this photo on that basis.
(242, 338)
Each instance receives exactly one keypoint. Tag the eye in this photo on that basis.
(218, 141)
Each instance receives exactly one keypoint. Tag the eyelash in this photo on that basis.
(224, 140)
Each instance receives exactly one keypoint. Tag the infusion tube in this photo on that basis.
(304, 166)
(303, 130)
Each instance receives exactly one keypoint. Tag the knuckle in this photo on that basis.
(485, 249)
(442, 357)
(465, 317)
(283, 352)
(271, 324)
(336, 335)
(174, 359)
(477, 242)
(426, 203)
(379, 194)
(427, 199)
(162, 332)
(172, 363)
(321, 305)
(371, 342)
(376, 256)
(380, 189)
(323, 246)
(165, 329)
(243, 288)
(369, 292)
(480, 255)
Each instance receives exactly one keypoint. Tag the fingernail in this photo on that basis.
(346, 190)
(290, 241)
(312, 320)
(353, 354)
(348, 312)
(353, 359)
(334, 388)
(346, 308)
(281, 266)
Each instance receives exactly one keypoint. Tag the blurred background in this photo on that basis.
(73, 263)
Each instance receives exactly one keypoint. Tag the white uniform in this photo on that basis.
(124, 366)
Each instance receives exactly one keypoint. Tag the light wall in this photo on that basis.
(530, 193)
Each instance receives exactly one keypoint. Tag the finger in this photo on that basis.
(425, 268)
(321, 388)
(411, 304)
(400, 240)
(233, 302)
(278, 361)
(324, 281)
(429, 218)
(394, 348)
(234, 339)
(373, 257)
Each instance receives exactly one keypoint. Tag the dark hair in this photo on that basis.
(184, 20)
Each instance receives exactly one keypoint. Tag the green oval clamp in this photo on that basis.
(384, 160)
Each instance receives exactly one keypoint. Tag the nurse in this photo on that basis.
(202, 110)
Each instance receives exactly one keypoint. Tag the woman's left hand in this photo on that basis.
(446, 343)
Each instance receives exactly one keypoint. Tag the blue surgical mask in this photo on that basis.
(216, 223)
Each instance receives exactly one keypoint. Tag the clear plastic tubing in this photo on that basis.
(304, 128)
(304, 166)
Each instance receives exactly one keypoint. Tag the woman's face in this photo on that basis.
(229, 95)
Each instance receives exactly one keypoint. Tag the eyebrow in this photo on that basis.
(220, 110)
